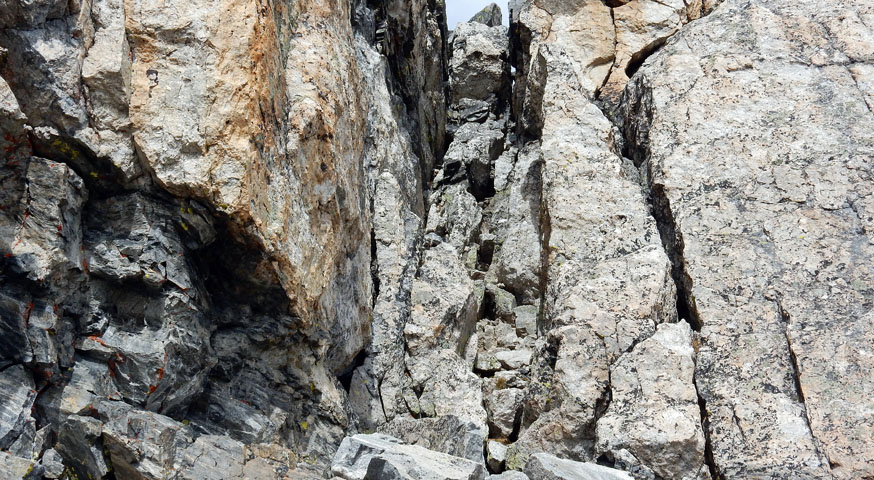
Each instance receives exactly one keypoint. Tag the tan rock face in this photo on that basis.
(608, 40)
(267, 128)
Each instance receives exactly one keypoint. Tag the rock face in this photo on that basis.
(768, 219)
(616, 239)
(187, 219)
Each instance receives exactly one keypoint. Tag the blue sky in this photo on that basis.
(462, 10)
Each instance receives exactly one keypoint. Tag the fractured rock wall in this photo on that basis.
(187, 221)
(261, 239)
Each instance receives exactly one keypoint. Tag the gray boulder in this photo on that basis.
(448, 434)
(543, 466)
(509, 475)
(478, 68)
(378, 456)
(52, 463)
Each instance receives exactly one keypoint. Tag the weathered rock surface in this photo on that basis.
(608, 280)
(489, 16)
(186, 214)
(637, 233)
(653, 413)
(780, 193)
(548, 467)
(765, 212)
(379, 456)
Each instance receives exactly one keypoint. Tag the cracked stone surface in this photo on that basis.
(614, 239)
(769, 205)
(611, 246)
(653, 413)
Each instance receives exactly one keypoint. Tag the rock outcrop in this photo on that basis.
(615, 239)
(765, 207)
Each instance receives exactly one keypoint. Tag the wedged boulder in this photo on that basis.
(543, 466)
(504, 407)
(454, 216)
(378, 456)
(478, 68)
(471, 156)
(496, 455)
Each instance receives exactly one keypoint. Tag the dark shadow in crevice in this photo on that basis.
(672, 241)
(345, 377)
(638, 59)
(708, 444)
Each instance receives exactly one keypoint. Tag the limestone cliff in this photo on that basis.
(262, 239)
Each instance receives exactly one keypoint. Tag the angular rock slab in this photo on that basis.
(17, 395)
(378, 456)
(17, 468)
(543, 466)
(654, 412)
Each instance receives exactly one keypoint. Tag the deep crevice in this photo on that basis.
(374, 268)
(708, 443)
(672, 241)
(345, 377)
(796, 377)
(638, 59)
(636, 147)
